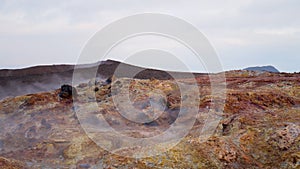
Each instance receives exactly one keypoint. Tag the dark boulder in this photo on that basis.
(110, 80)
(67, 91)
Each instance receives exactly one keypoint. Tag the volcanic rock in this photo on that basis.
(67, 91)
(258, 128)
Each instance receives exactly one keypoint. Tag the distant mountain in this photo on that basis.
(263, 69)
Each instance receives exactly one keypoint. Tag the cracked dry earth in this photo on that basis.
(259, 126)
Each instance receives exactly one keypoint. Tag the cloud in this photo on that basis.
(279, 32)
(238, 29)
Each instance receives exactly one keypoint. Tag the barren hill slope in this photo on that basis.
(45, 78)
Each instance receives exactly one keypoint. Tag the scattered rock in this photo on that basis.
(67, 91)
(286, 137)
(84, 166)
(6, 163)
(31, 132)
(93, 82)
(45, 124)
(224, 150)
(295, 160)
(110, 80)
(82, 85)
(96, 89)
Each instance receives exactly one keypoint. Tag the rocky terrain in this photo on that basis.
(258, 124)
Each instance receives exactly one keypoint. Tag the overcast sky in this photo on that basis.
(244, 32)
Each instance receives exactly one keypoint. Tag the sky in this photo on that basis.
(244, 33)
